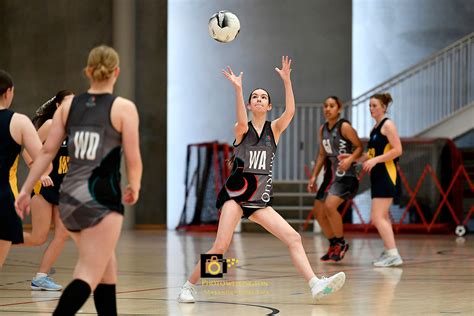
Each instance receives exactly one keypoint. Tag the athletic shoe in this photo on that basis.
(45, 283)
(187, 294)
(389, 261)
(339, 252)
(328, 255)
(326, 286)
(381, 257)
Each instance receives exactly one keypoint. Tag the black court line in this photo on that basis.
(29, 302)
(46, 299)
(49, 312)
(13, 283)
(341, 265)
(23, 261)
(273, 311)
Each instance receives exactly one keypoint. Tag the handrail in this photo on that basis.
(431, 90)
(424, 95)
(415, 67)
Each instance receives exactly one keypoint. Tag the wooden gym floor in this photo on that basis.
(436, 279)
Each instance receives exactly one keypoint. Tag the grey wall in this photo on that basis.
(45, 46)
(391, 35)
(316, 34)
(151, 68)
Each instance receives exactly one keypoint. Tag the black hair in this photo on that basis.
(46, 111)
(6, 81)
(269, 98)
(338, 101)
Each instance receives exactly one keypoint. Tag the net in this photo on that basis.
(206, 172)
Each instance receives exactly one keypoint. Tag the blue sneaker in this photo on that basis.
(45, 283)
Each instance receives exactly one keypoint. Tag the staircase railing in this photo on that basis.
(426, 93)
(299, 144)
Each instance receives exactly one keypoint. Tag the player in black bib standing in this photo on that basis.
(340, 179)
(248, 190)
(98, 124)
(44, 203)
(15, 130)
(381, 161)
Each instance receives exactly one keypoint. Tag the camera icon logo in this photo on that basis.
(214, 265)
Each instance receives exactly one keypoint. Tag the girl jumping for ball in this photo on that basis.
(248, 190)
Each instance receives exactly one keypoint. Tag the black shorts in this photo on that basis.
(345, 188)
(247, 211)
(383, 187)
(11, 227)
(50, 194)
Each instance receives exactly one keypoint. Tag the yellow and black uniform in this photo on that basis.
(384, 177)
(10, 224)
(60, 168)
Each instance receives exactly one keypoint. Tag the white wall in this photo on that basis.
(389, 36)
(316, 34)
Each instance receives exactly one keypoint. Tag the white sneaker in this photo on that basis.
(187, 293)
(381, 257)
(389, 261)
(326, 286)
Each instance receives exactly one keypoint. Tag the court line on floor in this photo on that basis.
(263, 277)
(273, 311)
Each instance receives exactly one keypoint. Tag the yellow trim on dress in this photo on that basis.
(37, 188)
(390, 166)
(371, 153)
(12, 177)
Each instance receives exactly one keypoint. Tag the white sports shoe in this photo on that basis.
(187, 293)
(326, 286)
(381, 257)
(389, 261)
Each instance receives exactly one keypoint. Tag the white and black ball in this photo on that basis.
(224, 26)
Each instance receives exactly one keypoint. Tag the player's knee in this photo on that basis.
(61, 236)
(376, 219)
(318, 211)
(39, 240)
(294, 239)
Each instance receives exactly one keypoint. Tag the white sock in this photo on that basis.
(40, 275)
(392, 252)
(313, 281)
(188, 284)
